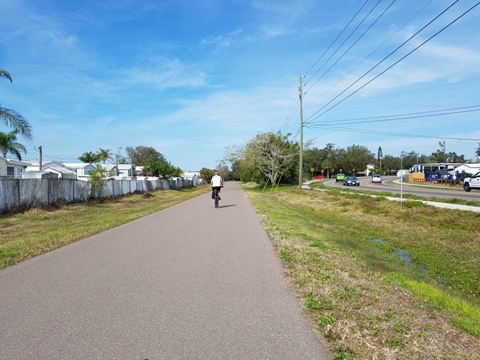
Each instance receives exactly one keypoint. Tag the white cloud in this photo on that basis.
(166, 73)
(222, 41)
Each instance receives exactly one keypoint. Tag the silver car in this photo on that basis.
(351, 180)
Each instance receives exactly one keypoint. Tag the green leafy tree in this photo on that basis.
(391, 163)
(357, 158)
(89, 157)
(320, 159)
(455, 158)
(97, 180)
(236, 173)
(206, 175)
(142, 155)
(312, 158)
(329, 159)
(441, 154)
(163, 169)
(9, 144)
(272, 154)
(410, 159)
(13, 119)
(241, 171)
(104, 154)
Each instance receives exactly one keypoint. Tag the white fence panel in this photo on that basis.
(31, 193)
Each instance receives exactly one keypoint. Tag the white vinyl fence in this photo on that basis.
(34, 193)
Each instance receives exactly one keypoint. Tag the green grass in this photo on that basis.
(378, 278)
(465, 315)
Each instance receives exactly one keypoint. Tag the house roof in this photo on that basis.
(62, 170)
(108, 167)
(46, 163)
(469, 168)
(77, 165)
(126, 166)
(15, 162)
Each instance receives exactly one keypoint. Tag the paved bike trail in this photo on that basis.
(188, 282)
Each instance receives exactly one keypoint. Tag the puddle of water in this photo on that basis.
(401, 254)
(377, 243)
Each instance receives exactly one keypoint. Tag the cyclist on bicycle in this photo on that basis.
(216, 183)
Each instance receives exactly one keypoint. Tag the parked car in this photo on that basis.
(472, 182)
(462, 176)
(351, 180)
(376, 178)
(339, 177)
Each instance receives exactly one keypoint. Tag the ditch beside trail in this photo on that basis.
(188, 282)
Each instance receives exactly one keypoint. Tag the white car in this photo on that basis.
(376, 178)
(472, 182)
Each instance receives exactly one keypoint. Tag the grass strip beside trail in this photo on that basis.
(379, 280)
(38, 231)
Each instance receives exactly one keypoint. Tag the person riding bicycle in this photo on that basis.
(216, 183)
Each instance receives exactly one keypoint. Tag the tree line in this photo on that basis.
(274, 158)
(152, 161)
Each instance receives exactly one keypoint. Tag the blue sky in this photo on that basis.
(192, 78)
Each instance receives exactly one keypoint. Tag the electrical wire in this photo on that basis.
(290, 116)
(373, 52)
(311, 118)
(378, 132)
(338, 36)
(407, 116)
(353, 31)
(402, 58)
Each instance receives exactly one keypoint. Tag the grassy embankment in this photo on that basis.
(380, 280)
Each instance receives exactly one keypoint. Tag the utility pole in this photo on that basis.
(40, 158)
(300, 169)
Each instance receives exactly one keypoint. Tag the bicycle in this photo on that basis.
(216, 197)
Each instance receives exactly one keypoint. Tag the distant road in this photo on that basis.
(188, 282)
(440, 191)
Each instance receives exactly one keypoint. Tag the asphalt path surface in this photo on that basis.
(188, 282)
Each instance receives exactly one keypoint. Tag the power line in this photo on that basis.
(374, 51)
(338, 36)
(378, 132)
(385, 58)
(351, 46)
(291, 114)
(407, 116)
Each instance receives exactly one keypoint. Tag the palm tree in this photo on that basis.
(104, 154)
(12, 118)
(9, 144)
(89, 157)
